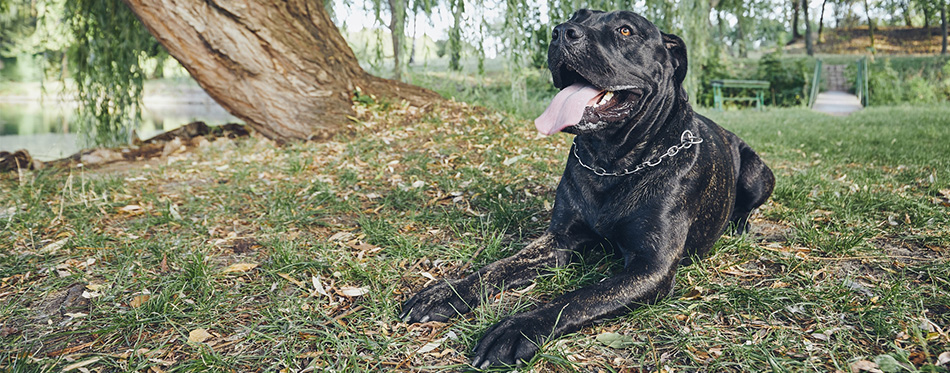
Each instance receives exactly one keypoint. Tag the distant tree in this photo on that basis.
(929, 9)
(905, 12)
(867, 10)
(809, 43)
(425, 7)
(454, 45)
(900, 9)
(398, 17)
(397, 32)
(740, 10)
(796, 5)
(844, 13)
(17, 22)
(943, 25)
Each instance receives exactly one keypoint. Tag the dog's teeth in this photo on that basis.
(605, 99)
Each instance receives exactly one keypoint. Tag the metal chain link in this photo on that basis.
(687, 140)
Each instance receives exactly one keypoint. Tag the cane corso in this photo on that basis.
(646, 176)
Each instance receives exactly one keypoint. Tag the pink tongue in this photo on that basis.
(566, 109)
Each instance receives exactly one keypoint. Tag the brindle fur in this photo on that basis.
(655, 219)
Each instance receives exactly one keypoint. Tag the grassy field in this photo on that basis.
(244, 256)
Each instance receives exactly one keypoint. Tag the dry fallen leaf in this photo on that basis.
(694, 293)
(198, 335)
(55, 246)
(341, 236)
(80, 364)
(944, 358)
(512, 160)
(427, 275)
(354, 291)
(239, 267)
(864, 366)
(163, 266)
(318, 286)
(132, 209)
(293, 280)
(614, 340)
(138, 300)
(433, 345)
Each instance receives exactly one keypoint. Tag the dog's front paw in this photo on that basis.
(438, 303)
(512, 341)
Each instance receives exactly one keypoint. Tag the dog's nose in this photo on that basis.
(567, 33)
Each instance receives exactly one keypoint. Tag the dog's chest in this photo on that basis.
(602, 202)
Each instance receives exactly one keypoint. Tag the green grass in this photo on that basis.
(847, 262)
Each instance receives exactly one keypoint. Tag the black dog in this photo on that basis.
(646, 176)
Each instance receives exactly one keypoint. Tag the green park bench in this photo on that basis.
(758, 86)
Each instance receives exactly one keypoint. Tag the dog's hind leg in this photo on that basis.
(754, 185)
(450, 298)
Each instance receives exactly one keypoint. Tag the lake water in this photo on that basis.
(47, 127)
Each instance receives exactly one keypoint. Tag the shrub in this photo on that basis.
(884, 84)
(915, 80)
(788, 79)
(920, 90)
(713, 68)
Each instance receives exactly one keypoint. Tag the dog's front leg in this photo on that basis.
(450, 298)
(645, 280)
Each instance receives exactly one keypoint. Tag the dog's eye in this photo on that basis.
(625, 31)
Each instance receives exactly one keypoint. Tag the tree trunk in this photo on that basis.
(943, 25)
(867, 10)
(928, 14)
(282, 67)
(397, 29)
(455, 35)
(740, 35)
(412, 46)
(722, 30)
(796, 5)
(809, 44)
(821, 20)
(905, 12)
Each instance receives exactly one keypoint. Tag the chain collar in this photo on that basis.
(687, 140)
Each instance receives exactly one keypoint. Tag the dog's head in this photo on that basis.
(611, 68)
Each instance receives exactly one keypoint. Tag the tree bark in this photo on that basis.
(722, 30)
(412, 45)
(397, 29)
(740, 35)
(282, 67)
(821, 20)
(809, 43)
(867, 10)
(455, 35)
(928, 14)
(943, 25)
(796, 5)
(905, 12)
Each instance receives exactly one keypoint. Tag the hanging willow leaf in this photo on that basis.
(109, 50)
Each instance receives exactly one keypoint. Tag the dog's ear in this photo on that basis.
(677, 49)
